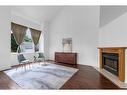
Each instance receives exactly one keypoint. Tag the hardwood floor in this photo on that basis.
(86, 78)
(6, 82)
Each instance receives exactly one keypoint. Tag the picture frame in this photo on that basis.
(67, 44)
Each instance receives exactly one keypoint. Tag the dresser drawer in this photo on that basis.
(70, 58)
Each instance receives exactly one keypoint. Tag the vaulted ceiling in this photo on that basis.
(110, 13)
(47, 13)
(38, 13)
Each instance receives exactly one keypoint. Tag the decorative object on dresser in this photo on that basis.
(67, 44)
(66, 57)
(112, 59)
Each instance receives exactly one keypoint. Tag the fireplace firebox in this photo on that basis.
(110, 62)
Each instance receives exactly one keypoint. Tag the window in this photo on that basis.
(14, 45)
(27, 44)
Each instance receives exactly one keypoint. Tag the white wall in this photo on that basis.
(20, 19)
(114, 34)
(81, 24)
(4, 38)
(45, 30)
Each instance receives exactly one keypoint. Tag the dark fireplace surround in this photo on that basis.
(112, 59)
(110, 62)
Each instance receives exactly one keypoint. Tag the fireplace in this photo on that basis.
(110, 62)
(112, 59)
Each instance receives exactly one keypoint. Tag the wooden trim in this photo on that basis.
(101, 59)
(112, 47)
(122, 64)
(121, 52)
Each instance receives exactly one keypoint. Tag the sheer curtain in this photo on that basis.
(19, 32)
(35, 36)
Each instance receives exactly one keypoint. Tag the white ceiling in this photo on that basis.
(38, 13)
(110, 13)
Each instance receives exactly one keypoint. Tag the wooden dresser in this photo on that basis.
(66, 57)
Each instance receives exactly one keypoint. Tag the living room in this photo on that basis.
(84, 32)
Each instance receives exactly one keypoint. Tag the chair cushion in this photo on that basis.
(41, 55)
(25, 61)
(21, 58)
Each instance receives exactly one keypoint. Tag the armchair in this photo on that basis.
(23, 61)
(40, 58)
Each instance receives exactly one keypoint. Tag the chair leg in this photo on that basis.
(16, 68)
(39, 62)
(44, 61)
(31, 65)
(21, 66)
(25, 67)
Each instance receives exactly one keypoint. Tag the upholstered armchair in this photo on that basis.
(39, 57)
(23, 61)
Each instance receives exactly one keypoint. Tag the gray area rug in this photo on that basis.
(50, 76)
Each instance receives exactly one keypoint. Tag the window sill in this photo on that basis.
(22, 52)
